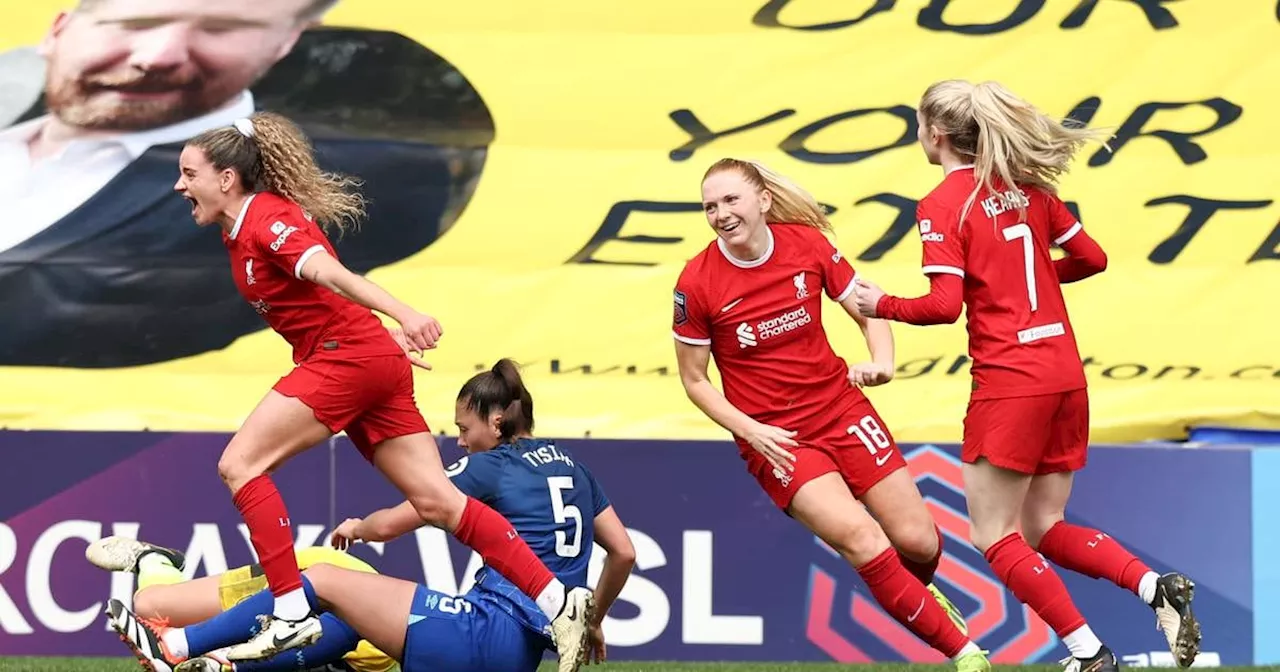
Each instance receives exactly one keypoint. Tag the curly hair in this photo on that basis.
(272, 154)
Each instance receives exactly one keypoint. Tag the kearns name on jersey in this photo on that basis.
(1011, 199)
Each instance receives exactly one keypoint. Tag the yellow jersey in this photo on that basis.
(237, 584)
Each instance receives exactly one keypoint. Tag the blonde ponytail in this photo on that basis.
(790, 202)
(1004, 135)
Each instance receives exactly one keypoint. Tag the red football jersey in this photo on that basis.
(271, 240)
(763, 321)
(1020, 338)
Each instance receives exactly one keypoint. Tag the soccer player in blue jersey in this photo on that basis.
(550, 498)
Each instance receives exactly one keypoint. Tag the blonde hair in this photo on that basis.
(1003, 135)
(790, 204)
(272, 154)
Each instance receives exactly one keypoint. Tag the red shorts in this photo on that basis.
(859, 447)
(1041, 434)
(371, 398)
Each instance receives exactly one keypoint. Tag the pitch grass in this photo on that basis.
(130, 665)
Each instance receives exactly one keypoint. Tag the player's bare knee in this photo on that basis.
(860, 544)
(438, 509)
(920, 543)
(144, 604)
(1035, 524)
(235, 471)
(320, 573)
(322, 576)
(985, 534)
(232, 472)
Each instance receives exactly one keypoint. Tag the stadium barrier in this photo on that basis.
(720, 573)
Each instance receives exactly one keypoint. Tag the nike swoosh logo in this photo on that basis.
(573, 611)
(883, 458)
(278, 643)
(730, 306)
(912, 618)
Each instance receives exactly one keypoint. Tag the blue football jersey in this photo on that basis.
(550, 498)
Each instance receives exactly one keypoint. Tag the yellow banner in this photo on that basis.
(606, 114)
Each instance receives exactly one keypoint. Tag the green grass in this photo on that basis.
(130, 665)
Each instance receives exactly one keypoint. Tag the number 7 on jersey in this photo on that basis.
(1022, 231)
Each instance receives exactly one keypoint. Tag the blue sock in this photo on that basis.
(237, 624)
(338, 640)
(312, 600)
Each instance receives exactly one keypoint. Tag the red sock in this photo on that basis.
(907, 600)
(490, 535)
(263, 511)
(1092, 553)
(1034, 583)
(924, 570)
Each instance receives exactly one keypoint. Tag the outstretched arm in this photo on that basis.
(381, 525)
(422, 331)
(941, 305)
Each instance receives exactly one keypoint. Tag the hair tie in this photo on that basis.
(245, 126)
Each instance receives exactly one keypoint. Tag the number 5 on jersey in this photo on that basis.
(563, 513)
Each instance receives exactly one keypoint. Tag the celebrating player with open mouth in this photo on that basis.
(753, 300)
(259, 182)
(986, 232)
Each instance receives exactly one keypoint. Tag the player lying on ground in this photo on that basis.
(258, 181)
(541, 488)
(986, 234)
(753, 301)
(167, 603)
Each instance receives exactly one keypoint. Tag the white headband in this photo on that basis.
(245, 126)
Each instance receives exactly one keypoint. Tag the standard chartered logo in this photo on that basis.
(784, 323)
(749, 336)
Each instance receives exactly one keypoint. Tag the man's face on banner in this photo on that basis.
(126, 65)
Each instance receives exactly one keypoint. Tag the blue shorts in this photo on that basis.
(453, 634)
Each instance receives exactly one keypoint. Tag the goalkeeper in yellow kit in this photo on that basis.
(164, 597)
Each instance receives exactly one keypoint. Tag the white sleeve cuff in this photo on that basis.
(311, 252)
(848, 290)
(1071, 233)
(691, 341)
(951, 270)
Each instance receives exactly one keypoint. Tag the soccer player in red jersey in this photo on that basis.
(259, 182)
(753, 300)
(986, 232)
